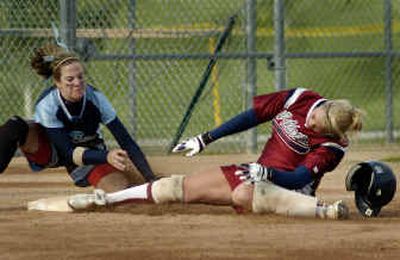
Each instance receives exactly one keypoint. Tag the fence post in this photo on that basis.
(279, 46)
(132, 70)
(251, 77)
(388, 70)
(68, 22)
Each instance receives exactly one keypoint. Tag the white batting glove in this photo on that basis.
(253, 172)
(194, 145)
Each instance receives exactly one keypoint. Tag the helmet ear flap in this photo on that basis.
(364, 207)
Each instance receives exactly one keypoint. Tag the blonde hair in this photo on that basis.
(342, 117)
(49, 59)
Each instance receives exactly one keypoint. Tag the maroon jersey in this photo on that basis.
(292, 144)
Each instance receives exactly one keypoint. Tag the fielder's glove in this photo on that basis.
(253, 172)
(195, 144)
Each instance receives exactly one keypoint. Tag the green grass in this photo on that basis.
(164, 88)
(392, 159)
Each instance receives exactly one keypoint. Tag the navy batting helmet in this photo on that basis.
(374, 184)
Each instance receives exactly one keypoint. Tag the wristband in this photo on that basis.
(207, 139)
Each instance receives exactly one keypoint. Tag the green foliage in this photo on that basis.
(162, 89)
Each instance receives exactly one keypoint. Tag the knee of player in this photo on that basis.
(15, 129)
(13, 133)
(168, 189)
(243, 196)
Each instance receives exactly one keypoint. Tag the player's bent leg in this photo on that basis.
(165, 190)
(207, 186)
(107, 178)
(270, 198)
(134, 176)
(32, 142)
(113, 182)
(104, 178)
(12, 134)
(242, 196)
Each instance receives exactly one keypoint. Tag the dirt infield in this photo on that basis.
(190, 231)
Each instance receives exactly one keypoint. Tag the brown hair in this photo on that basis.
(48, 60)
(342, 117)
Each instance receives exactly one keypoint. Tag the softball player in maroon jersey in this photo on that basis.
(309, 138)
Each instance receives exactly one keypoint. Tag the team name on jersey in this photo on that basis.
(78, 137)
(287, 129)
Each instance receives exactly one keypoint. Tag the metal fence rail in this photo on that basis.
(148, 56)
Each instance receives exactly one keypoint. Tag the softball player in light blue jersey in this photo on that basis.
(65, 131)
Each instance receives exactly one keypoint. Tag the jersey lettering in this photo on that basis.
(287, 129)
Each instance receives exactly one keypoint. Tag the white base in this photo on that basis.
(57, 204)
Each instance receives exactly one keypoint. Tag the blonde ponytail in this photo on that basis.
(342, 117)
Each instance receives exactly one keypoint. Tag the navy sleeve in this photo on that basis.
(239, 123)
(134, 152)
(296, 179)
(65, 148)
(59, 138)
(91, 156)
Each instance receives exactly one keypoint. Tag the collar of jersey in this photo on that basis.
(65, 109)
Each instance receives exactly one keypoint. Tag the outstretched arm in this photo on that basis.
(239, 123)
(134, 152)
(265, 107)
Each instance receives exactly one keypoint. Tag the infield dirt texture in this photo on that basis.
(190, 231)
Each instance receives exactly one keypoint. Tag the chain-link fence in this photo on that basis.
(150, 57)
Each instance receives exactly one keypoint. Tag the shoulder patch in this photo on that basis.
(294, 96)
(44, 94)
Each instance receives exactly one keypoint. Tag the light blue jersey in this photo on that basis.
(80, 120)
(72, 124)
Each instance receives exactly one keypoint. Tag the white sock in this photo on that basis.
(136, 192)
